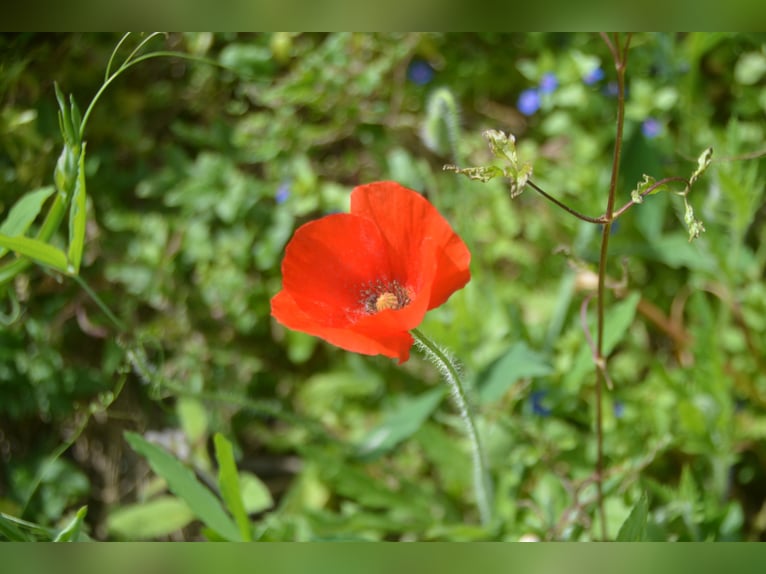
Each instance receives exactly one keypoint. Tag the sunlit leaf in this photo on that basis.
(23, 213)
(10, 530)
(634, 527)
(519, 362)
(77, 216)
(150, 520)
(184, 484)
(618, 320)
(228, 482)
(399, 424)
(71, 532)
(38, 251)
(256, 496)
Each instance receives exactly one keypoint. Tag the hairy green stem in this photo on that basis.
(445, 364)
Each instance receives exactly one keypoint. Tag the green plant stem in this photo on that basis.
(563, 206)
(620, 61)
(100, 404)
(129, 64)
(101, 305)
(615, 214)
(481, 479)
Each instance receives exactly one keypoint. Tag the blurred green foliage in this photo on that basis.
(199, 171)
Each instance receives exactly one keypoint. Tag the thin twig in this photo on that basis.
(620, 61)
(610, 45)
(563, 206)
(584, 325)
(649, 191)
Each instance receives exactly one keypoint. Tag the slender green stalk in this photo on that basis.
(620, 61)
(129, 64)
(564, 206)
(103, 306)
(615, 213)
(100, 404)
(445, 364)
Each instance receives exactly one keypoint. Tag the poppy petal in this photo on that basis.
(367, 341)
(406, 219)
(410, 316)
(328, 262)
(363, 280)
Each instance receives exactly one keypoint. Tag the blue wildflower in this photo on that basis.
(537, 404)
(420, 72)
(595, 75)
(619, 409)
(651, 128)
(283, 192)
(548, 83)
(529, 101)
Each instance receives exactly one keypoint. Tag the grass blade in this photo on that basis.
(24, 212)
(36, 250)
(182, 482)
(228, 482)
(77, 216)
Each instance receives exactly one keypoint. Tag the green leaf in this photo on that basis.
(246, 59)
(10, 532)
(519, 362)
(693, 224)
(17, 529)
(71, 532)
(743, 186)
(193, 418)
(76, 116)
(618, 320)
(24, 212)
(637, 195)
(65, 118)
(674, 250)
(182, 482)
(687, 487)
(503, 147)
(482, 173)
(255, 495)
(634, 527)
(399, 424)
(703, 162)
(228, 482)
(687, 501)
(38, 251)
(750, 68)
(149, 520)
(356, 483)
(77, 216)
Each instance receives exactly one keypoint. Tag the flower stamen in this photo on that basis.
(383, 295)
(386, 301)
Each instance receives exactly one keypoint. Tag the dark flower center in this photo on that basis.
(383, 294)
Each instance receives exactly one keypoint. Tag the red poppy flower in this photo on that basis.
(362, 280)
